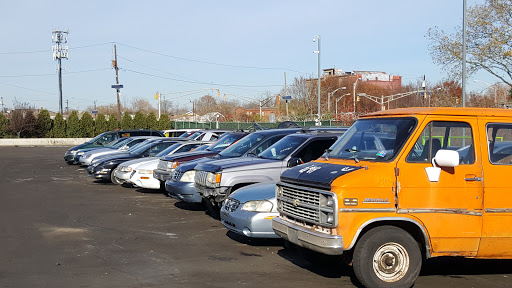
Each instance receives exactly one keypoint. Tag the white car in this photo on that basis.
(125, 169)
(143, 176)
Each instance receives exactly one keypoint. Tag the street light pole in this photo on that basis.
(338, 99)
(354, 90)
(494, 87)
(319, 82)
(329, 98)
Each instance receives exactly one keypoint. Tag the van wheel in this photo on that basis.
(114, 179)
(387, 256)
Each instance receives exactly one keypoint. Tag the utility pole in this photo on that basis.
(117, 86)
(2, 100)
(59, 51)
(158, 96)
(67, 106)
(286, 94)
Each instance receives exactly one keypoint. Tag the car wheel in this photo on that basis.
(213, 208)
(387, 256)
(114, 179)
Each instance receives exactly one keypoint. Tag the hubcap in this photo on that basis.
(391, 262)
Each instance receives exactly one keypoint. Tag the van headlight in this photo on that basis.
(258, 206)
(188, 176)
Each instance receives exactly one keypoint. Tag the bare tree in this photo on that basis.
(142, 105)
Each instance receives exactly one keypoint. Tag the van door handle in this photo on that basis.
(474, 178)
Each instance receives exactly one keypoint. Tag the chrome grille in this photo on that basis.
(200, 178)
(162, 165)
(231, 205)
(176, 176)
(306, 204)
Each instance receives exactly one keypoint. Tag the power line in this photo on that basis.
(46, 51)
(211, 63)
(199, 82)
(52, 74)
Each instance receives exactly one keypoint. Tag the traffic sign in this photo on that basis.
(117, 86)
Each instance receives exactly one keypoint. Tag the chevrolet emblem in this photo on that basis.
(296, 202)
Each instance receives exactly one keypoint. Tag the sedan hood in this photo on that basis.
(259, 191)
(179, 157)
(139, 161)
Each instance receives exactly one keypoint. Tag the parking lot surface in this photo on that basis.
(61, 228)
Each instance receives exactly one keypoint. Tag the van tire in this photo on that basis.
(381, 256)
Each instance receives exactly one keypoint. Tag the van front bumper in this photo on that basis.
(307, 238)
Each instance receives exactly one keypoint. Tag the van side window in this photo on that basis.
(500, 143)
(456, 136)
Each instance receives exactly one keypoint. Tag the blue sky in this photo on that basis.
(242, 48)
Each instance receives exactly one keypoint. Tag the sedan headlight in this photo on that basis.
(145, 171)
(80, 153)
(258, 206)
(188, 176)
(72, 152)
(125, 169)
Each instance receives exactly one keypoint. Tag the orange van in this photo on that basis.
(401, 186)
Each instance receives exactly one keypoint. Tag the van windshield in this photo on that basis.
(377, 140)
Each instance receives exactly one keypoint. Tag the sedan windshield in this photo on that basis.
(282, 148)
(117, 143)
(373, 139)
(140, 148)
(242, 146)
(224, 141)
(168, 150)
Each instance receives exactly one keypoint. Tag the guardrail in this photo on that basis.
(28, 142)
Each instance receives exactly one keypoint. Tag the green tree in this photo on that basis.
(73, 127)
(100, 124)
(139, 121)
(87, 125)
(113, 122)
(151, 121)
(488, 42)
(44, 123)
(3, 125)
(59, 127)
(164, 123)
(126, 121)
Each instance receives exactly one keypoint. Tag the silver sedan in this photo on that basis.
(249, 211)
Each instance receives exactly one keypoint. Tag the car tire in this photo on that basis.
(213, 208)
(387, 256)
(114, 179)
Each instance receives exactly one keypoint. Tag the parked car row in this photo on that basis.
(234, 177)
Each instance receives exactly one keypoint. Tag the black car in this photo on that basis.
(105, 168)
(107, 137)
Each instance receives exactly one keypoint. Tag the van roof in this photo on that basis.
(457, 111)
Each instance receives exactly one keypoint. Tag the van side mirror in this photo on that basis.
(447, 158)
(443, 158)
(294, 161)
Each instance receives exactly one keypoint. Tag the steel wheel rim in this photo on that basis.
(391, 262)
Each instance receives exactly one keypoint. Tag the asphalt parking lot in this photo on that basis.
(61, 228)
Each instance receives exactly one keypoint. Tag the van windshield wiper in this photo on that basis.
(353, 150)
